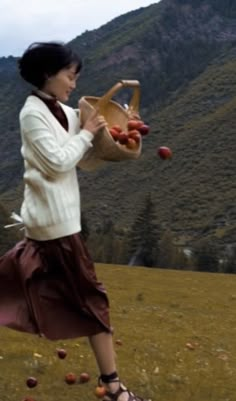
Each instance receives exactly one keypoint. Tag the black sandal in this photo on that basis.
(122, 389)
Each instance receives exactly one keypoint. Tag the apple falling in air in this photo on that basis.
(31, 382)
(61, 353)
(164, 152)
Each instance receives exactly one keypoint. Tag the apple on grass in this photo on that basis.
(31, 382)
(61, 353)
(70, 378)
(164, 152)
(84, 377)
(100, 391)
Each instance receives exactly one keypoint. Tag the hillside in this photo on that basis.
(184, 54)
(195, 191)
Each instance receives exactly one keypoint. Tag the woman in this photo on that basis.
(48, 285)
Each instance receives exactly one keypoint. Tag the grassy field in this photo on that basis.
(178, 333)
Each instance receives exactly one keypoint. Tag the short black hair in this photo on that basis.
(45, 59)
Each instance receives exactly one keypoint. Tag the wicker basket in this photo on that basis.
(104, 147)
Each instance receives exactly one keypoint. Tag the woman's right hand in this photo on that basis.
(95, 122)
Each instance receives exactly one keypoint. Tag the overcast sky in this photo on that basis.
(25, 21)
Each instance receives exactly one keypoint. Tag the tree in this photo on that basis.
(103, 243)
(230, 264)
(108, 239)
(206, 256)
(170, 256)
(144, 236)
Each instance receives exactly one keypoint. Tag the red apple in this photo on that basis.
(84, 377)
(135, 135)
(61, 353)
(164, 152)
(100, 391)
(123, 138)
(144, 129)
(70, 378)
(131, 143)
(117, 128)
(134, 124)
(31, 382)
(115, 134)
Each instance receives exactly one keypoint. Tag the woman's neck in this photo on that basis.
(44, 94)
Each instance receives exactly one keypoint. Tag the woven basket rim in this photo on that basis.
(84, 98)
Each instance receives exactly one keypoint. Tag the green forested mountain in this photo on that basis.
(184, 55)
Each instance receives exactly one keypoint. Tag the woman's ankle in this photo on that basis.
(111, 382)
(109, 378)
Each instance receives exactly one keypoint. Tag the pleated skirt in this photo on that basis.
(50, 288)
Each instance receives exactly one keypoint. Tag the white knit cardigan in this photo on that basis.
(51, 205)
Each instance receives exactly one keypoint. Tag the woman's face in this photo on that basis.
(62, 84)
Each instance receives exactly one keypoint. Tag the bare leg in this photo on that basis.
(102, 345)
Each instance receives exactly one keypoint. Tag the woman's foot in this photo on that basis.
(116, 391)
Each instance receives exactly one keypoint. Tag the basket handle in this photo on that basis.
(134, 102)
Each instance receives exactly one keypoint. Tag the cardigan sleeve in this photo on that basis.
(51, 157)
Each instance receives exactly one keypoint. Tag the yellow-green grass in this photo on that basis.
(156, 313)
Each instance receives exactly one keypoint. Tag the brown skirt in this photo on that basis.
(50, 288)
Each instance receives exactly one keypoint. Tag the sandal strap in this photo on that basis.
(100, 381)
(109, 378)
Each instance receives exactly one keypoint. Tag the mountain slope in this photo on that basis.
(195, 191)
(184, 54)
